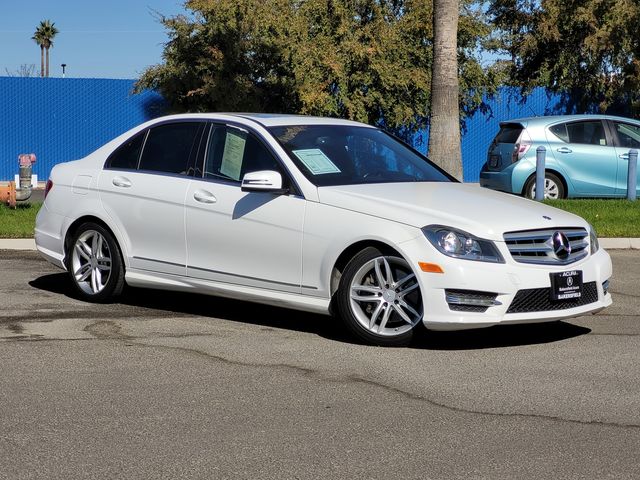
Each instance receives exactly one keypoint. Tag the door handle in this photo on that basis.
(121, 182)
(624, 156)
(564, 150)
(203, 196)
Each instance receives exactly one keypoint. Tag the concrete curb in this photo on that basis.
(17, 244)
(607, 243)
(620, 243)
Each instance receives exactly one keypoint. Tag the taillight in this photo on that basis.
(519, 149)
(48, 188)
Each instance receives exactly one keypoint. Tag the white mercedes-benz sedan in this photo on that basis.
(316, 214)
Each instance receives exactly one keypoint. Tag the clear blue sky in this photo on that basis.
(97, 39)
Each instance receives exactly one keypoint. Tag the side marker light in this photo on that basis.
(430, 267)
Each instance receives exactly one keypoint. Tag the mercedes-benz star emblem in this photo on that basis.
(561, 245)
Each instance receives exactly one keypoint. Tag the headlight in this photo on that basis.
(593, 240)
(459, 244)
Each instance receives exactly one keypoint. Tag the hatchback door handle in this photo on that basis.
(121, 182)
(564, 150)
(203, 196)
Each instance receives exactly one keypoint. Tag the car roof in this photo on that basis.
(267, 119)
(548, 119)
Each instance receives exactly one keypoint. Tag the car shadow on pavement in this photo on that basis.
(142, 302)
(501, 336)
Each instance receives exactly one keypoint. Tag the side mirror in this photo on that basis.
(263, 181)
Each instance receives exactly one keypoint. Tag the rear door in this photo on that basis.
(627, 136)
(585, 151)
(143, 187)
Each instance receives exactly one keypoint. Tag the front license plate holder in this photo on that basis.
(566, 286)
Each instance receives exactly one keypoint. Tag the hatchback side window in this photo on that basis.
(560, 131)
(590, 132)
(169, 147)
(126, 155)
(233, 152)
(628, 135)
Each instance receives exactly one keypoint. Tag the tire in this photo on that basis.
(93, 255)
(379, 299)
(553, 187)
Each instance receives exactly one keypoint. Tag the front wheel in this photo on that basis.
(379, 299)
(553, 187)
(94, 263)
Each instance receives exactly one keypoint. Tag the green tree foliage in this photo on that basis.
(367, 60)
(590, 48)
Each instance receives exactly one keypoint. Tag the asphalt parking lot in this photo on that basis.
(167, 385)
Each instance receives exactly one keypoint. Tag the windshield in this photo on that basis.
(345, 155)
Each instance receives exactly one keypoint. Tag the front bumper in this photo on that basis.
(504, 280)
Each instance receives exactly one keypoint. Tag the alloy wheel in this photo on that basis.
(385, 296)
(91, 262)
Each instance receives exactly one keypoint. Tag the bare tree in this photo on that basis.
(444, 130)
(24, 70)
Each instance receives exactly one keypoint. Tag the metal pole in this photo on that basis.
(540, 156)
(632, 178)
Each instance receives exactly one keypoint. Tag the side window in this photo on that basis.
(232, 152)
(589, 132)
(169, 147)
(628, 135)
(560, 131)
(126, 155)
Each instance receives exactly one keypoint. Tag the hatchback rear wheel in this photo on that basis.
(553, 187)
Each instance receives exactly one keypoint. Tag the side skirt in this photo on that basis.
(137, 278)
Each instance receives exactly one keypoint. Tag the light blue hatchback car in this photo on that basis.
(586, 155)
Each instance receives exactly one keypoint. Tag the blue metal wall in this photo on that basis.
(480, 129)
(61, 119)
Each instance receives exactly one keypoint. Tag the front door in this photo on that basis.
(251, 239)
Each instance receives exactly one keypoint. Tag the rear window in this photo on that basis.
(509, 133)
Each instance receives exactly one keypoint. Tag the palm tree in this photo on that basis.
(37, 37)
(43, 36)
(444, 130)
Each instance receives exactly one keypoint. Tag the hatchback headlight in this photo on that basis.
(593, 240)
(459, 244)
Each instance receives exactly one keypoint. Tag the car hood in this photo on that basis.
(479, 211)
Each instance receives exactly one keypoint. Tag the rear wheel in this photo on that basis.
(379, 299)
(553, 187)
(95, 264)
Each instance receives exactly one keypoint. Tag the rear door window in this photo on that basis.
(590, 132)
(169, 147)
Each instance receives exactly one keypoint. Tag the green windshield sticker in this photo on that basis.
(316, 161)
(232, 155)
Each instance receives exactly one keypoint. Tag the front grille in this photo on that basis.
(536, 246)
(539, 300)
